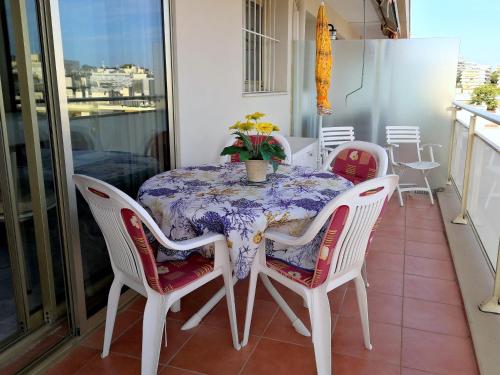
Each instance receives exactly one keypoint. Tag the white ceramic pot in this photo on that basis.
(256, 170)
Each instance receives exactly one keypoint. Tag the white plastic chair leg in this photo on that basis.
(400, 196)
(228, 285)
(363, 310)
(198, 316)
(296, 322)
(364, 272)
(252, 286)
(112, 308)
(319, 311)
(176, 306)
(152, 330)
(429, 189)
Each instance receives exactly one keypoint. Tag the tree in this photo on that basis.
(495, 77)
(486, 94)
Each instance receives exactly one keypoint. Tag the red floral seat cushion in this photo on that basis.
(235, 158)
(355, 165)
(312, 279)
(178, 273)
(295, 273)
(165, 276)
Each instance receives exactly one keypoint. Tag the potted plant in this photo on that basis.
(256, 146)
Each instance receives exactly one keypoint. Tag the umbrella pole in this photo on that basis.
(319, 158)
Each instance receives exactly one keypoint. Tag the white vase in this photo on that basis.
(256, 170)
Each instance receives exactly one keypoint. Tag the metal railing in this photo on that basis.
(474, 171)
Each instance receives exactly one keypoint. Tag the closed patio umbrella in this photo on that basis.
(323, 62)
(323, 68)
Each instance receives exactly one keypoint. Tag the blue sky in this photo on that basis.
(475, 22)
(112, 32)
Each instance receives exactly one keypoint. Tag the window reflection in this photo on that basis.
(115, 85)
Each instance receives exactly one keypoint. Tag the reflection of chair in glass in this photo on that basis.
(81, 141)
(351, 218)
(122, 221)
(397, 135)
(157, 146)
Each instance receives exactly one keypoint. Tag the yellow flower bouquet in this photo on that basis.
(254, 141)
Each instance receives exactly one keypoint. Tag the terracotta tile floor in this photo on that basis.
(417, 319)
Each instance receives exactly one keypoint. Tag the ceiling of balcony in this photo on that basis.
(352, 12)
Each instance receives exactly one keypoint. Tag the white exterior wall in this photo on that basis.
(208, 70)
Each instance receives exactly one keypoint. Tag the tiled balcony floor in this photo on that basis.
(417, 319)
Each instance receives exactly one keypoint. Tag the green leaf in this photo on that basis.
(244, 155)
(275, 165)
(231, 150)
(266, 151)
(246, 141)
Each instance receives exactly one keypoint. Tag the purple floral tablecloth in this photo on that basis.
(190, 201)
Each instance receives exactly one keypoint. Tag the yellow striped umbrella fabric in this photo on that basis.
(323, 62)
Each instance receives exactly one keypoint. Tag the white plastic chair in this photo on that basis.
(376, 151)
(122, 222)
(332, 136)
(352, 216)
(397, 135)
(340, 161)
(278, 137)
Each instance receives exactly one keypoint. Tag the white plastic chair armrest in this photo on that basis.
(191, 243)
(431, 151)
(431, 145)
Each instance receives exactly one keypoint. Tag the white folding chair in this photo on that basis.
(398, 135)
(277, 137)
(332, 136)
(352, 217)
(122, 222)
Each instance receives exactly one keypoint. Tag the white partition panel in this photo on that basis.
(407, 82)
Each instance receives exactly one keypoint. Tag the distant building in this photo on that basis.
(473, 75)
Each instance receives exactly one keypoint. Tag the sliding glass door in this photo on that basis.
(114, 62)
(32, 274)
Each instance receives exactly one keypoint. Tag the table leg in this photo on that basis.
(198, 316)
(296, 322)
(206, 308)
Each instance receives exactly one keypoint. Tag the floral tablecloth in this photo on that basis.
(190, 201)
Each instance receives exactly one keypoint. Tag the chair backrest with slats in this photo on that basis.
(397, 135)
(276, 138)
(352, 217)
(121, 221)
(357, 161)
(365, 202)
(336, 135)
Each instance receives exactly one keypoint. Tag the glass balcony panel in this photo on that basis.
(484, 196)
(458, 164)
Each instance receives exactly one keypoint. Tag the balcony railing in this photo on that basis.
(474, 170)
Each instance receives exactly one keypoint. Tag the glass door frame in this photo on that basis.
(64, 158)
(26, 320)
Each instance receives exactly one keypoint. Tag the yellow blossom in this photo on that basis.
(246, 126)
(235, 126)
(255, 116)
(276, 128)
(258, 237)
(264, 127)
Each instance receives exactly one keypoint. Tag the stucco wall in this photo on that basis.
(208, 50)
